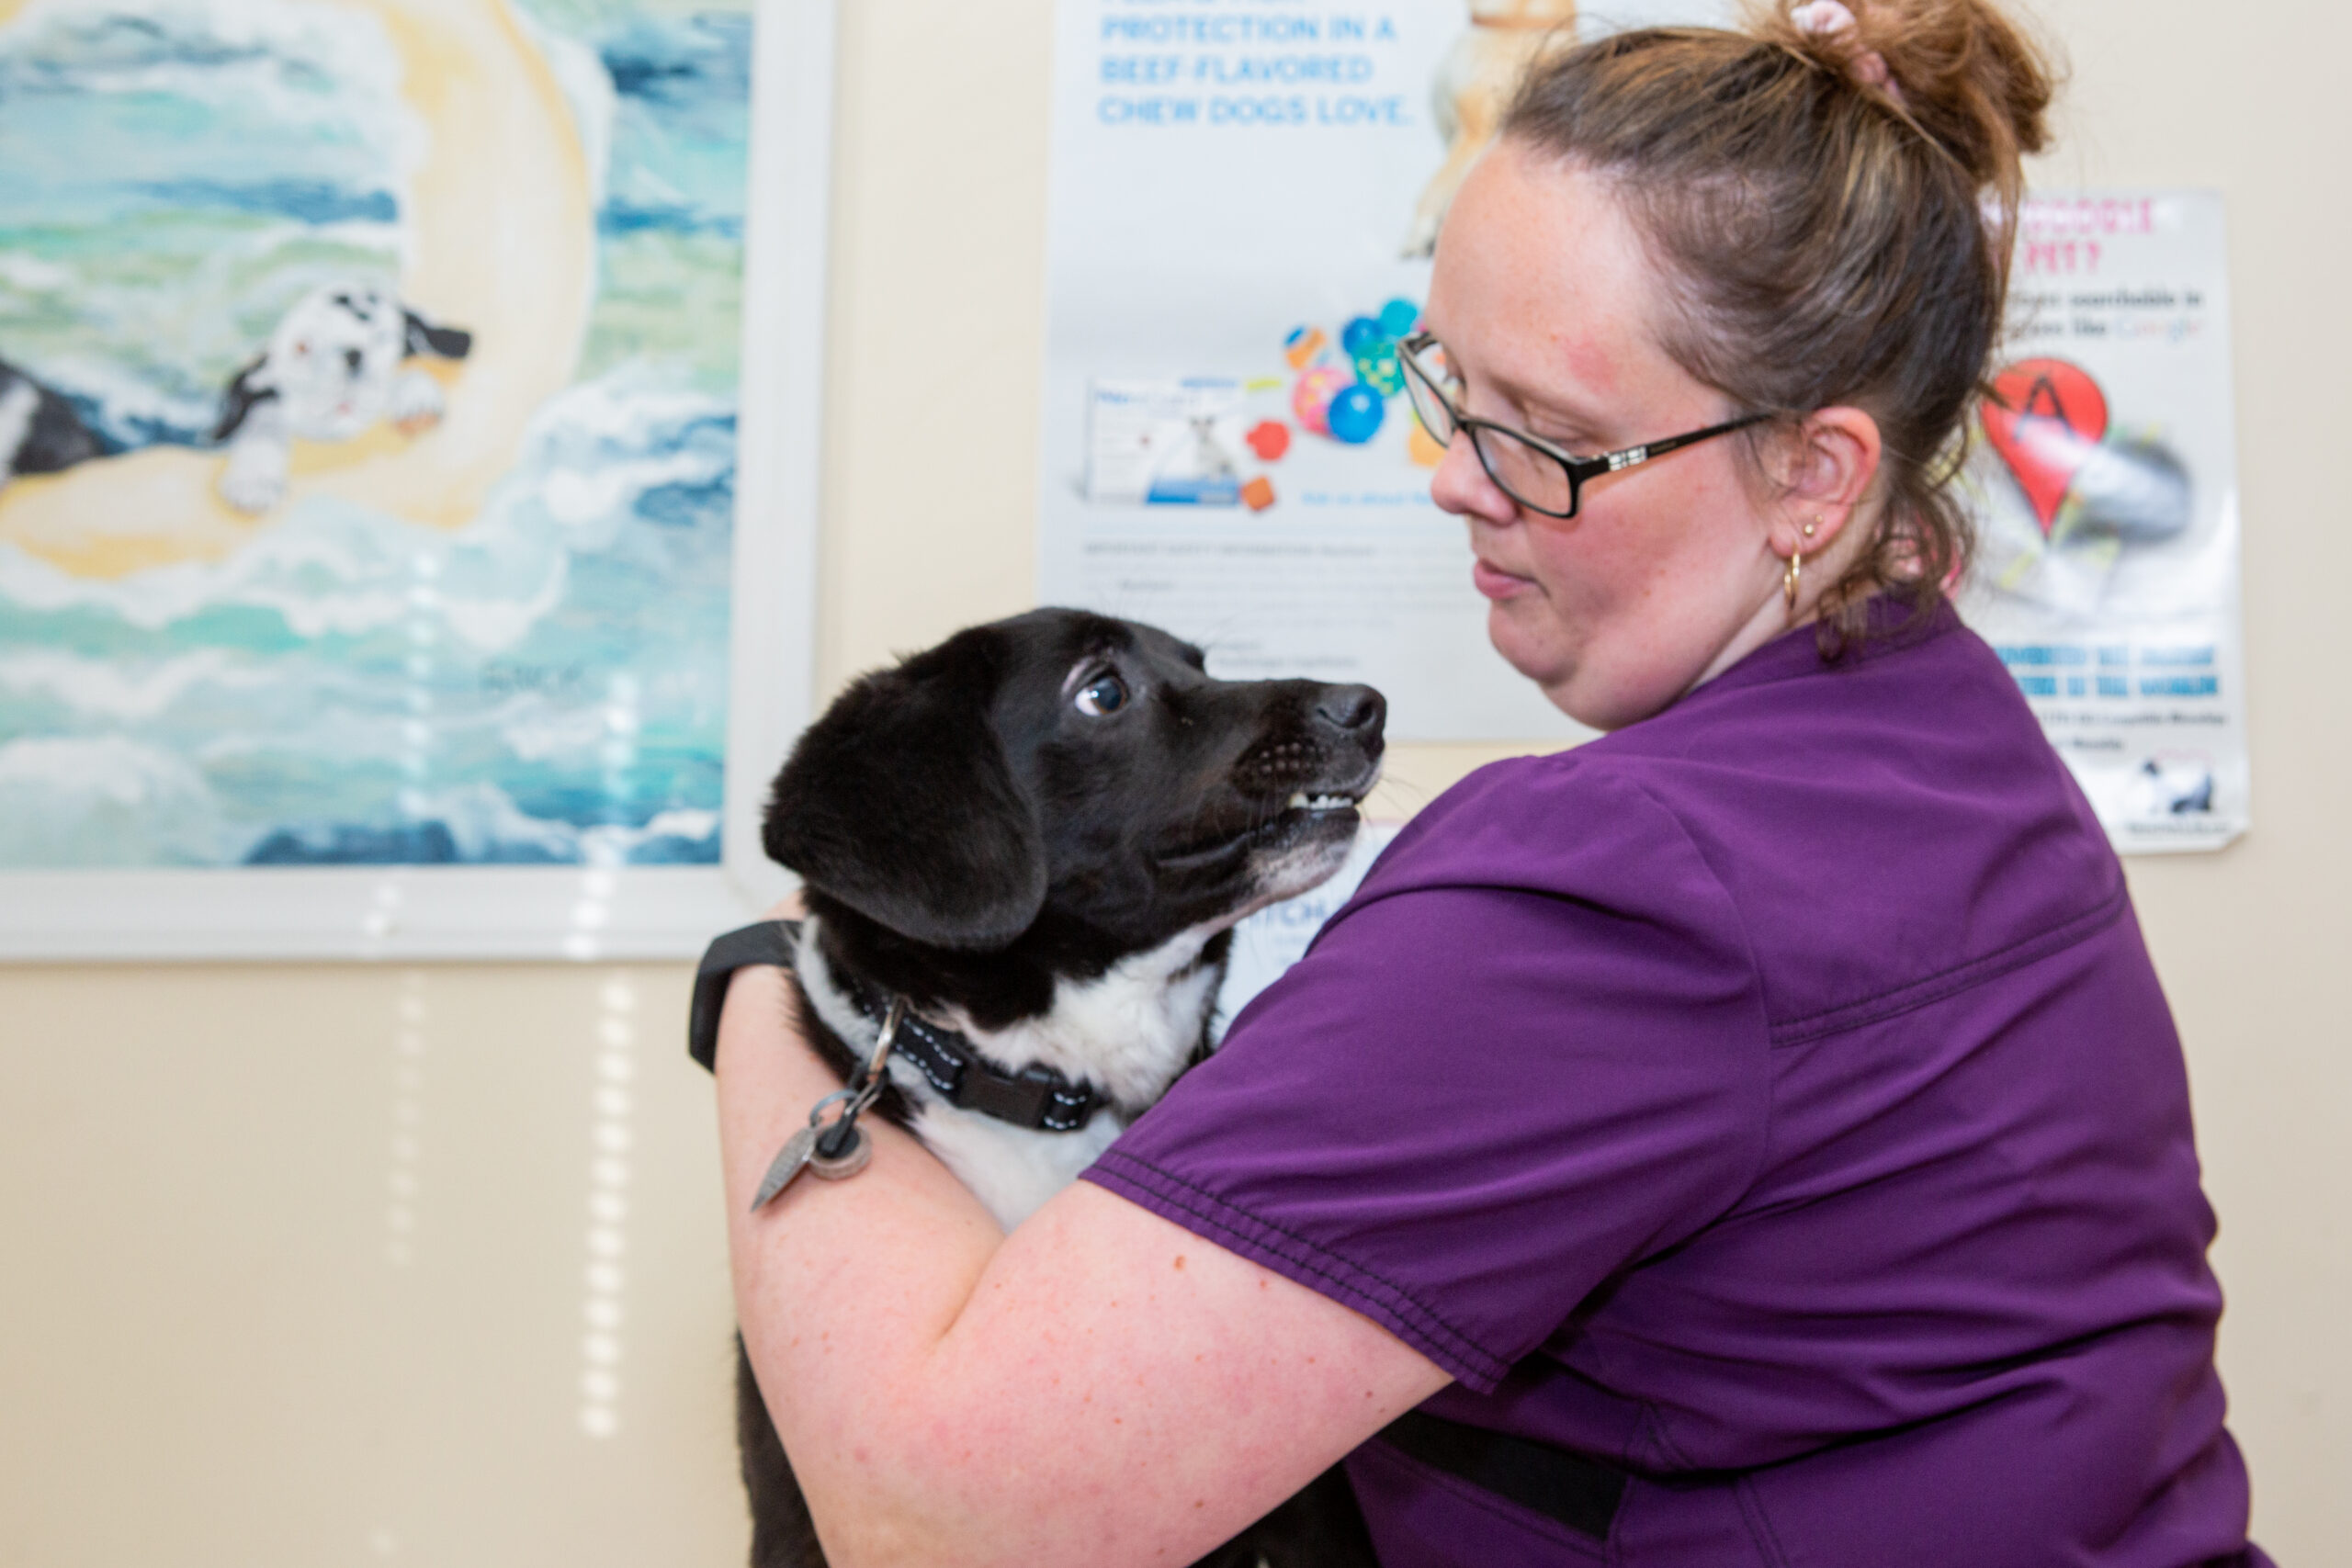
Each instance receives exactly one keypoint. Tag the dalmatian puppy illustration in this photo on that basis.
(39, 431)
(336, 364)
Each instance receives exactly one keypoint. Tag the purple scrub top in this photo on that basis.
(1774, 1099)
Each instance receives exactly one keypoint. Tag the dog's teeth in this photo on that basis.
(1302, 801)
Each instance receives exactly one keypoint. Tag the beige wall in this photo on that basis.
(295, 1262)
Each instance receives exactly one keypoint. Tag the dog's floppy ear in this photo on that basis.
(423, 337)
(239, 400)
(898, 802)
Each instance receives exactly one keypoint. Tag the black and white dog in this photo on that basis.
(336, 364)
(1040, 834)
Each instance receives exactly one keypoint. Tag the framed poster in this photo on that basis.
(380, 571)
(1243, 203)
(2106, 490)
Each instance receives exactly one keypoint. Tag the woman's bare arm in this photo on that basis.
(1100, 1386)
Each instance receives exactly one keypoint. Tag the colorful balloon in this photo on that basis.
(1422, 446)
(1355, 414)
(1311, 399)
(1377, 367)
(1360, 335)
(1269, 438)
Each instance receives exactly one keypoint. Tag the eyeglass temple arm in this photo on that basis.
(1610, 462)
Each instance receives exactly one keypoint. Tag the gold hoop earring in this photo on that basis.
(1789, 579)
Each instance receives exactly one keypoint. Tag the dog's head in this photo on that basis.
(332, 362)
(333, 357)
(1063, 773)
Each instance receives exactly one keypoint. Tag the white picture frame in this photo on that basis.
(574, 913)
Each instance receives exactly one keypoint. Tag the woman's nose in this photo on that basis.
(1461, 485)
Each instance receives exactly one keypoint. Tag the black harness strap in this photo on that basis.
(1582, 1494)
(770, 942)
(1037, 1097)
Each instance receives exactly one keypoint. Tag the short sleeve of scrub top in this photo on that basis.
(1479, 1099)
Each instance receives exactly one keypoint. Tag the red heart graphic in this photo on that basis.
(2044, 417)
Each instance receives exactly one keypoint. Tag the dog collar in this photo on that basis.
(1037, 1097)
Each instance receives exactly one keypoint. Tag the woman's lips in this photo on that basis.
(1495, 582)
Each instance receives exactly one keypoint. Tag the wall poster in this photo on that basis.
(371, 380)
(1244, 197)
(2105, 484)
(1243, 202)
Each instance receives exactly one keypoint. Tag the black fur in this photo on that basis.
(971, 859)
(56, 439)
(969, 837)
(238, 401)
(900, 802)
(423, 337)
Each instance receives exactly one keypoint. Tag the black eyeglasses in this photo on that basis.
(1530, 470)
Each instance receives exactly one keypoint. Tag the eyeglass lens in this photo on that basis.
(1532, 478)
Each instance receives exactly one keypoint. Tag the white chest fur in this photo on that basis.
(1128, 1031)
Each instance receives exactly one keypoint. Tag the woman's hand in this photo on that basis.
(1100, 1386)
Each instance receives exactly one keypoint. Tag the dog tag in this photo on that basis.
(841, 1148)
(797, 1152)
(850, 1151)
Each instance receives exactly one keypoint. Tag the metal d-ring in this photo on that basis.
(884, 1041)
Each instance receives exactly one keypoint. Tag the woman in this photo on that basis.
(1766, 1116)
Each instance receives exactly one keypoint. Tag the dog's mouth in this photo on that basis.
(1302, 801)
(1302, 815)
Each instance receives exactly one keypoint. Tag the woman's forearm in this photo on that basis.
(843, 1288)
(1100, 1386)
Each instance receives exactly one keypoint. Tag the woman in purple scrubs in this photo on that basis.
(1754, 1137)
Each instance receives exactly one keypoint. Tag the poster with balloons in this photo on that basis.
(1244, 198)
(2105, 486)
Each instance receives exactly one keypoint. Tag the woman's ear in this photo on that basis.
(1827, 467)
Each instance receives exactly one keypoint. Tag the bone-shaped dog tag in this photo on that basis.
(788, 1163)
(841, 1148)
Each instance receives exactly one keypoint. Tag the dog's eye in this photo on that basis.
(1104, 693)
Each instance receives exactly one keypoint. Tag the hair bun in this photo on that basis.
(1962, 70)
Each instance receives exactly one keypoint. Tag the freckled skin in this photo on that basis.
(1546, 299)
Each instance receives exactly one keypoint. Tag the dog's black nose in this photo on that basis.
(1351, 707)
(352, 357)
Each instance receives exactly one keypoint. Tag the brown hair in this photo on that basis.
(1831, 233)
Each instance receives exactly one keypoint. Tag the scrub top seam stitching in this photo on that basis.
(1913, 995)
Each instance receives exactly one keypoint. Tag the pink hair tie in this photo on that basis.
(1830, 19)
